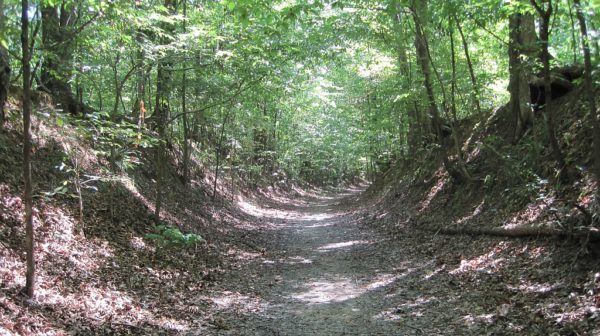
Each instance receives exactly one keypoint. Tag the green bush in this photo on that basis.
(166, 236)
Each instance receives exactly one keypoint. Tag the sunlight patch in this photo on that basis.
(530, 214)
(329, 291)
(382, 281)
(410, 309)
(323, 224)
(437, 187)
(334, 246)
(12, 269)
(471, 320)
(235, 300)
(470, 216)
(489, 262)
(537, 288)
(297, 260)
(102, 305)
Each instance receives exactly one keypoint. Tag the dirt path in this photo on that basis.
(322, 270)
(320, 274)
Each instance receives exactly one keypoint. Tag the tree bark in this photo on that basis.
(218, 152)
(522, 46)
(4, 68)
(453, 79)
(161, 116)
(458, 172)
(57, 68)
(573, 33)
(186, 147)
(416, 122)
(27, 195)
(471, 71)
(419, 10)
(589, 90)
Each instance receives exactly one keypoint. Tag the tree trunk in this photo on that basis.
(522, 46)
(573, 33)
(546, 16)
(589, 90)
(140, 87)
(419, 10)
(27, 196)
(416, 121)
(186, 147)
(57, 68)
(461, 167)
(471, 71)
(595, 41)
(4, 69)
(524, 232)
(161, 116)
(453, 80)
(218, 153)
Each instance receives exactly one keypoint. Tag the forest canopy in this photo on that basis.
(318, 90)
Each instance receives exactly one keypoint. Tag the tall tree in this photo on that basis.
(161, 113)
(186, 127)
(544, 10)
(419, 11)
(522, 51)
(475, 86)
(27, 195)
(58, 35)
(418, 125)
(4, 65)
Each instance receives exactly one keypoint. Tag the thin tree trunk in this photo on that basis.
(595, 41)
(115, 111)
(140, 88)
(589, 90)
(186, 148)
(218, 153)
(471, 71)
(460, 162)
(27, 196)
(453, 80)
(546, 15)
(573, 34)
(4, 69)
(523, 42)
(160, 117)
(420, 7)
(415, 129)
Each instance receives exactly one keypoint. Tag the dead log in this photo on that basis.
(522, 232)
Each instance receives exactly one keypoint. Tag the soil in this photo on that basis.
(353, 261)
(322, 268)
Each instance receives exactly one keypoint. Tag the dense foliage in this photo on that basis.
(318, 90)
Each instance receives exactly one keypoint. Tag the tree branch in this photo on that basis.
(239, 90)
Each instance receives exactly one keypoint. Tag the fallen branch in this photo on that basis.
(523, 232)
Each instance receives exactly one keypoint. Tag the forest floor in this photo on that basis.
(349, 261)
(322, 268)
